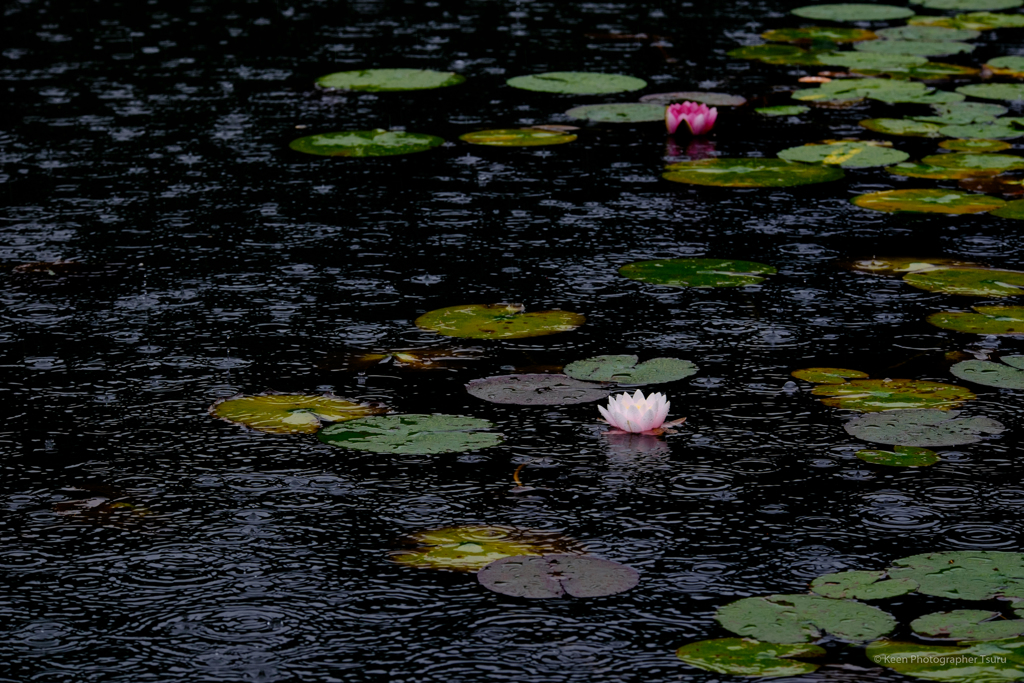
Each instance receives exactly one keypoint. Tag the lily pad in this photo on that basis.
(853, 12)
(745, 657)
(1013, 92)
(975, 145)
(964, 112)
(752, 172)
(852, 88)
(967, 624)
(577, 83)
(828, 375)
(497, 321)
(900, 456)
(783, 110)
(927, 33)
(861, 585)
(965, 574)
(978, 21)
(969, 281)
(809, 34)
(987, 320)
(998, 162)
(552, 576)
(383, 80)
(858, 154)
(985, 662)
(922, 428)
(1014, 210)
(626, 370)
(365, 143)
(1006, 375)
(803, 618)
(929, 71)
(1011, 66)
(939, 48)
(1006, 184)
(913, 170)
(772, 54)
(902, 265)
(990, 131)
(412, 434)
(276, 413)
(933, 97)
(906, 127)
(873, 395)
(535, 390)
(968, 5)
(712, 99)
(628, 112)
(517, 137)
(471, 548)
(927, 201)
(697, 272)
(867, 60)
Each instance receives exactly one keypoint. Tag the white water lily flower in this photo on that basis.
(636, 413)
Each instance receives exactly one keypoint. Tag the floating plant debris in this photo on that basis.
(497, 321)
(987, 320)
(628, 370)
(629, 112)
(383, 80)
(365, 143)
(1006, 375)
(848, 154)
(536, 389)
(517, 137)
(872, 395)
(577, 83)
(922, 428)
(927, 201)
(861, 585)
(697, 272)
(412, 434)
(277, 413)
(803, 618)
(552, 576)
(900, 456)
(746, 657)
(752, 172)
(471, 548)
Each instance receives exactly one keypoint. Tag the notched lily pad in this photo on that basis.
(803, 618)
(535, 390)
(412, 434)
(848, 154)
(985, 662)
(900, 456)
(853, 12)
(471, 548)
(577, 83)
(751, 172)
(627, 370)
(552, 576)
(927, 201)
(969, 281)
(277, 413)
(365, 143)
(746, 657)
(383, 80)
(922, 428)
(497, 321)
(712, 99)
(697, 272)
(1006, 375)
(517, 137)
(873, 395)
(965, 574)
(987, 320)
(861, 585)
(967, 624)
(906, 127)
(828, 375)
(627, 112)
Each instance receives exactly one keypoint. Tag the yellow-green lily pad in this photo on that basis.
(828, 375)
(927, 33)
(994, 661)
(874, 395)
(914, 170)
(968, 5)
(967, 624)
(1014, 210)
(1011, 66)
(924, 428)
(965, 574)
(497, 321)
(927, 201)
(803, 618)
(819, 34)
(1006, 375)
(852, 12)
(697, 272)
(900, 456)
(1013, 92)
(746, 657)
(900, 265)
(852, 154)
(975, 145)
(906, 127)
(384, 80)
(777, 54)
(577, 83)
(517, 137)
(752, 172)
(628, 370)
(626, 112)
(276, 413)
(471, 548)
(412, 434)
(922, 48)
(783, 110)
(969, 281)
(861, 585)
(997, 162)
(365, 143)
(987, 320)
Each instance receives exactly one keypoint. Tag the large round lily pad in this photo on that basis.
(968, 5)
(577, 83)
(997, 162)
(853, 12)
(290, 413)
(552, 576)
(852, 154)
(752, 172)
(996, 130)
(471, 548)
(627, 112)
(906, 127)
(996, 661)
(868, 60)
(365, 143)
(745, 657)
(627, 370)
(927, 201)
(965, 574)
(412, 434)
(1006, 375)
(987, 320)
(827, 375)
(712, 99)
(1013, 92)
(873, 395)
(967, 624)
(535, 390)
(497, 321)
(975, 145)
(922, 428)
(927, 33)
(900, 456)
(803, 618)
(1014, 209)
(969, 281)
(809, 34)
(922, 48)
(517, 137)
(913, 170)
(850, 88)
(861, 585)
(381, 80)
(1010, 65)
(697, 272)
(964, 112)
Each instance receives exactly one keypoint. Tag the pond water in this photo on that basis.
(149, 141)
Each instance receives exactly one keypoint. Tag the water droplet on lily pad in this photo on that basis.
(968, 5)
(907, 127)
(536, 390)
(927, 33)
(922, 428)
(751, 172)
(365, 143)
(987, 320)
(783, 110)
(628, 370)
(276, 413)
(746, 657)
(927, 201)
(712, 99)
(985, 662)
(828, 375)
(627, 112)
(412, 434)
(809, 34)
(552, 576)
(1013, 92)
(969, 281)
(803, 618)
(967, 624)
(517, 137)
(471, 548)
(965, 574)
(853, 12)
(697, 272)
(577, 83)
(1006, 375)
(861, 585)
(873, 395)
(1011, 66)
(900, 456)
(384, 80)
(848, 154)
(975, 145)
(497, 321)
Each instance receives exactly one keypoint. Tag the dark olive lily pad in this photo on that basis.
(995, 661)
(552, 576)
(772, 54)
(712, 99)
(873, 395)
(535, 390)
(626, 370)
(927, 201)
(987, 320)
(968, 5)
(938, 48)
(998, 162)
(628, 112)
(365, 143)
(1006, 184)
(412, 434)
(854, 154)
(471, 548)
(912, 170)
(746, 657)
(497, 321)
(929, 71)
(577, 83)
(697, 272)
(975, 145)
(861, 585)
(783, 110)
(965, 574)
(922, 428)
(902, 265)
(1011, 66)
(1013, 92)
(382, 80)
(517, 137)
(905, 127)
(751, 172)
(803, 618)
(900, 456)
(853, 12)
(928, 33)
(809, 34)
(967, 624)
(1006, 375)
(969, 281)
(828, 375)
(290, 413)
(933, 97)
(1014, 209)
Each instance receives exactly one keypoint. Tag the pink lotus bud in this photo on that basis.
(698, 117)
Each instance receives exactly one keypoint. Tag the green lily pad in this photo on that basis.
(873, 395)
(861, 585)
(927, 201)
(626, 370)
(902, 265)
(922, 428)
(987, 320)
(996, 661)
(1006, 375)
(365, 143)
(927, 33)
(745, 657)
(900, 456)
(752, 172)
(998, 162)
(859, 154)
(290, 413)
(965, 574)
(993, 131)
(967, 624)
(497, 321)
(803, 618)
(964, 112)
(1014, 210)
(969, 281)
(809, 34)
(383, 80)
(697, 272)
(983, 21)
(854, 88)
(828, 375)
(577, 83)
(940, 48)
(1012, 66)
(712, 99)
(783, 110)
(930, 71)
(913, 170)
(968, 5)
(934, 97)
(535, 390)
(775, 54)
(517, 137)
(868, 60)
(552, 576)
(628, 112)
(975, 145)
(1013, 92)
(905, 127)
(412, 434)
(853, 12)
(471, 548)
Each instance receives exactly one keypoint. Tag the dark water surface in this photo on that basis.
(149, 141)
